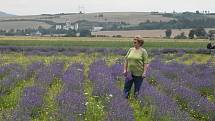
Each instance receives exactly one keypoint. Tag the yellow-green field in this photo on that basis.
(100, 42)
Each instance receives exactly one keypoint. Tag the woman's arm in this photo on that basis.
(126, 62)
(145, 69)
(125, 67)
(145, 62)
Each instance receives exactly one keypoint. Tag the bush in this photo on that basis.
(168, 33)
(85, 33)
(118, 36)
(181, 36)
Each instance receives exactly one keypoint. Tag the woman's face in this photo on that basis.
(136, 43)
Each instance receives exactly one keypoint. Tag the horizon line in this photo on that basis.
(104, 12)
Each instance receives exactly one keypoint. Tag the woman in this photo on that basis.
(136, 64)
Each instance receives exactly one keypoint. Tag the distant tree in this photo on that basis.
(29, 31)
(11, 32)
(85, 33)
(168, 33)
(43, 30)
(2, 32)
(200, 32)
(191, 34)
(19, 32)
(148, 21)
(181, 36)
(211, 33)
(101, 15)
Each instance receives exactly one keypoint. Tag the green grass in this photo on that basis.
(95, 108)
(141, 113)
(107, 43)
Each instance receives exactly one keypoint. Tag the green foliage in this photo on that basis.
(168, 33)
(85, 33)
(181, 36)
(184, 20)
(191, 34)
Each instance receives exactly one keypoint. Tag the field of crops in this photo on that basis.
(60, 80)
(69, 85)
(100, 42)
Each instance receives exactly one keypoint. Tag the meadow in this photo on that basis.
(42, 83)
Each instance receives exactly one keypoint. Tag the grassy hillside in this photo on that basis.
(111, 20)
(132, 18)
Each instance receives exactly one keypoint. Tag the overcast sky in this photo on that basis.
(29, 7)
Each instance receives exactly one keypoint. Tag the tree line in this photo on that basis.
(199, 33)
(43, 31)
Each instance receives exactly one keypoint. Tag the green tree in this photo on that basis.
(200, 32)
(168, 33)
(181, 36)
(191, 34)
(85, 33)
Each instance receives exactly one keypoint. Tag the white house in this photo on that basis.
(58, 27)
(76, 26)
(67, 26)
(96, 29)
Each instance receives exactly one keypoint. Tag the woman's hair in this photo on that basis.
(139, 40)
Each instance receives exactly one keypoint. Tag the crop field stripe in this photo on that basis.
(49, 108)
(102, 44)
(10, 101)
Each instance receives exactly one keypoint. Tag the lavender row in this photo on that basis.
(104, 87)
(180, 52)
(48, 51)
(45, 75)
(33, 97)
(7, 68)
(29, 105)
(101, 77)
(164, 106)
(73, 78)
(192, 99)
(199, 77)
(71, 101)
(16, 74)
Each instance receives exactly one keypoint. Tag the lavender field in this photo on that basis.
(86, 85)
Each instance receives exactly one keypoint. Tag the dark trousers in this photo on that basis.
(137, 80)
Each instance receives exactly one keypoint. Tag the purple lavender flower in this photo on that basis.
(32, 98)
(71, 104)
(44, 77)
(119, 110)
(56, 69)
(73, 78)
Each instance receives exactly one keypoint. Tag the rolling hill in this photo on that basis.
(3, 14)
(47, 20)
(110, 20)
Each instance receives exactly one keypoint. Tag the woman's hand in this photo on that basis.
(144, 75)
(125, 72)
